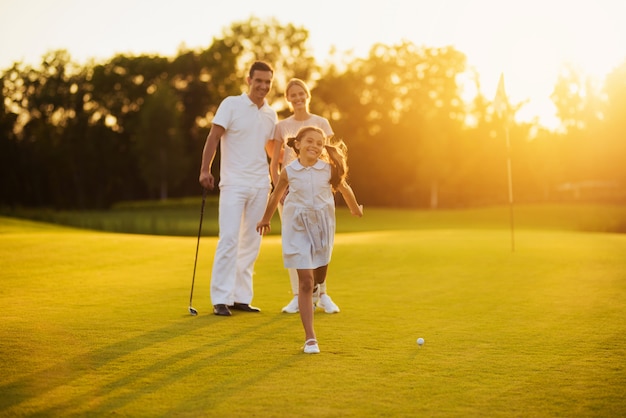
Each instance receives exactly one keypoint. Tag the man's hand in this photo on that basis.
(207, 180)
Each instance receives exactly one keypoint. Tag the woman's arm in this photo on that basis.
(276, 159)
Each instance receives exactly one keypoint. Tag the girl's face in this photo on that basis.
(297, 97)
(311, 146)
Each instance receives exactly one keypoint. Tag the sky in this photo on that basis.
(528, 41)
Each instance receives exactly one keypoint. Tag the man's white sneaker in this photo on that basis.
(312, 348)
(292, 307)
(327, 304)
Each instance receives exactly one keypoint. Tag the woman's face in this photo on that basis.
(297, 97)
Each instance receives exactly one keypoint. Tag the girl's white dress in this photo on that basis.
(308, 221)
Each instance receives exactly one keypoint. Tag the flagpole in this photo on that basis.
(501, 106)
(510, 181)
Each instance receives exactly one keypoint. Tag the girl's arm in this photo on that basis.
(350, 198)
(263, 226)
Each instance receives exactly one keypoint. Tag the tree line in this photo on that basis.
(88, 136)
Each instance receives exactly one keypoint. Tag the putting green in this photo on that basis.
(97, 324)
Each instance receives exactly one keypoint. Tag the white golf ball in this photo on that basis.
(420, 341)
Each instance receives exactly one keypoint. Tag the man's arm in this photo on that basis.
(208, 154)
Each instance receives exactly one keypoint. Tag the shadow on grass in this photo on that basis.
(127, 386)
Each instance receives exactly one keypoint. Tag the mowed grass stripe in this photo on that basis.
(97, 323)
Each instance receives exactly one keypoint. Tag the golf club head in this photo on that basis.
(193, 311)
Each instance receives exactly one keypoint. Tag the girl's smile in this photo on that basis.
(310, 147)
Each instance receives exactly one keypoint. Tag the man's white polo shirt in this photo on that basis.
(242, 147)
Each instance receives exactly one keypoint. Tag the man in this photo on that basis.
(242, 126)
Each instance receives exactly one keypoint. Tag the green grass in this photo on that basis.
(180, 217)
(96, 324)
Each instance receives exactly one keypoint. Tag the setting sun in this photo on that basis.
(530, 42)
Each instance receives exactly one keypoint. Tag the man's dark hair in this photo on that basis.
(260, 66)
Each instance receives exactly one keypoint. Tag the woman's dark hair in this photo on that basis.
(337, 155)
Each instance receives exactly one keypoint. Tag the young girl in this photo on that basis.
(298, 96)
(308, 221)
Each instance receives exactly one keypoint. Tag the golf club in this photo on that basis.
(192, 310)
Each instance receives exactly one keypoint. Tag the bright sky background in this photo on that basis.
(526, 40)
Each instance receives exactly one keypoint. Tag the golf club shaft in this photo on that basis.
(195, 262)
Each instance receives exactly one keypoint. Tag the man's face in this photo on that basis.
(260, 84)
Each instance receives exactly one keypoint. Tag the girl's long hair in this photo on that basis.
(336, 154)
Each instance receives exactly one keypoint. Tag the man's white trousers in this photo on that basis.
(240, 209)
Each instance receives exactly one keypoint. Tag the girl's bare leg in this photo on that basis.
(305, 301)
(320, 274)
